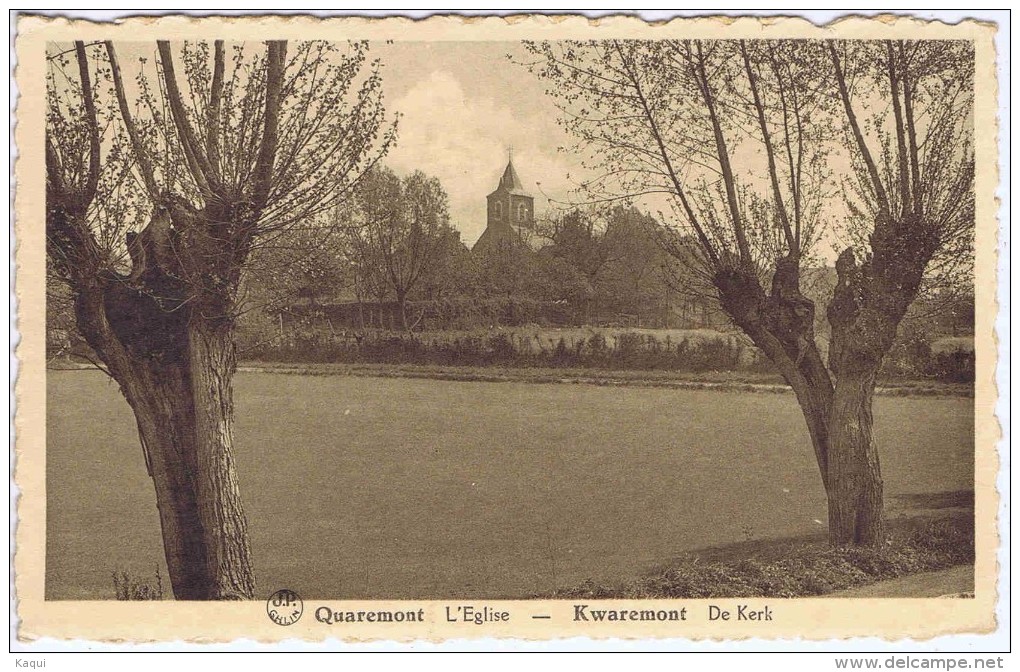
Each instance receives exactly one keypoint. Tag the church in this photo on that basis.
(510, 212)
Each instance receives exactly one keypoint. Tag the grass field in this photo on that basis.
(362, 487)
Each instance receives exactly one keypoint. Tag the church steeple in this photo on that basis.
(510, 207)
(510, 180)
(510, 183)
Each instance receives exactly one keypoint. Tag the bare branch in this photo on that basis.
(88, 191)
(901, 144)
(729, 180)
(908, 104)
(215, 100)
(667, 161)
(862, 146)
(197, 161)
(275, 65)
(767, 139)
(145, 167)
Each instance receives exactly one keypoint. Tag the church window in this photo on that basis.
(522, 212)
(498, 210)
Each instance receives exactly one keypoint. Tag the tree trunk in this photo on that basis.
(868, 302)
(184, 416)
(854, 473)
(815, 401)
(187, 454)
(160, 398)
(838, 416)
(781, 324)
(175, 370)
(402, 310)
(225, 529)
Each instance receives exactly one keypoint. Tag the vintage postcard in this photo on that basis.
(531, 327)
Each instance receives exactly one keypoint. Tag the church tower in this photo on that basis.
(510, 211)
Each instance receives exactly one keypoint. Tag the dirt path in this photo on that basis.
(944, 582)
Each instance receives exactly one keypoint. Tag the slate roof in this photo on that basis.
(511, 181)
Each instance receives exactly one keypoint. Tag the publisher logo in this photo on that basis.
(285, 607)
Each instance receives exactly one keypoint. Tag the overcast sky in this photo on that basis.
(463, 105)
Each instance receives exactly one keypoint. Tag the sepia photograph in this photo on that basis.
(431, 324)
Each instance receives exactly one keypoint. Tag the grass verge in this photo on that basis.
(800, 567)
(725, 381)
(722, 381)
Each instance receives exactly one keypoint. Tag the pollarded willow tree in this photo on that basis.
(159, 190)
(740, 137)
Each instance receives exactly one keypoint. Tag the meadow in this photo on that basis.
(362, 487)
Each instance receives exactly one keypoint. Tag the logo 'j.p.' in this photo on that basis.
(285, 607)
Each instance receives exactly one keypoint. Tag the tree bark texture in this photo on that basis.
(854, 475)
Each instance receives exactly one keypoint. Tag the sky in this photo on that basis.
(463, 106)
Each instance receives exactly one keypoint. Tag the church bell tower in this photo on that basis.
(510, 208)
